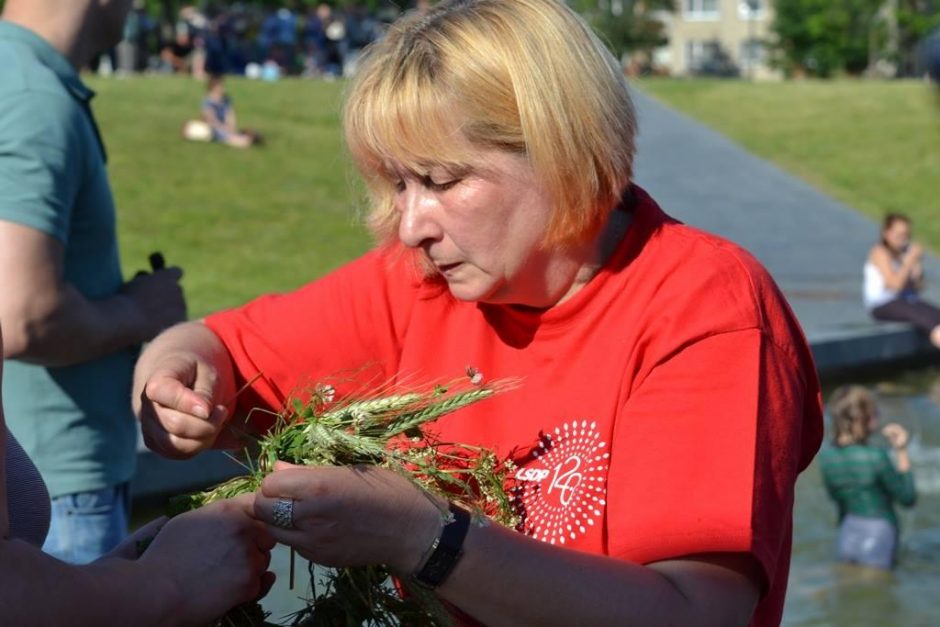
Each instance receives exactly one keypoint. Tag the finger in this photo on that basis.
(297, 482)
(189, 427)
(282, 465)
(173, 447)
(158, 439)
(165, 389)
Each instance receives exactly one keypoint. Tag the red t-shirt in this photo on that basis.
(665, 409)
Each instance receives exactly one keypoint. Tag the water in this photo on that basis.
(822, 592)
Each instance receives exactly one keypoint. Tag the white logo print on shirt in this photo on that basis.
(563, 489)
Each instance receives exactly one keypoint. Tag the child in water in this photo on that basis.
(863, 481)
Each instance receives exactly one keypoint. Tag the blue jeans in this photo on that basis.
(86, 525)
(868, 541)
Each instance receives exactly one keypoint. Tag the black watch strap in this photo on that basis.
(446, 550)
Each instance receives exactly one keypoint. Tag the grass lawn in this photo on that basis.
(873, 145)
(239, 223)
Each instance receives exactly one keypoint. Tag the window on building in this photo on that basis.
(701, 9)
(752, 9)
(751, 53)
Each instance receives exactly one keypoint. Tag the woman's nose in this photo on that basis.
(418, 221)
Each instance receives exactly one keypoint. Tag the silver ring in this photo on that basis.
(283, 513)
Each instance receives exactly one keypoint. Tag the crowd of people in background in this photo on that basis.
(246, 39)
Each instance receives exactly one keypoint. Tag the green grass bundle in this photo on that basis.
(386, 431)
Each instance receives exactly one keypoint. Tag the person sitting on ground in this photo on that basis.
(219, 114)
(863, 482)
(894, 278)
(197, 567)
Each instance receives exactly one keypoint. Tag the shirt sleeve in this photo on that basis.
(706, 454)
(900, 485)
(340, 330)
(40, 167)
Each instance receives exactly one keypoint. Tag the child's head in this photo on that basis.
(854, 414)
(215, 83)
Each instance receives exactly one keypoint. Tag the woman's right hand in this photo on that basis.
(896, 435)
(178, 413)
(211, 560)
(181, 385)
(914, 253)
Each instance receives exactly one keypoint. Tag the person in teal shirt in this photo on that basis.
(73, 325)
(863, 481)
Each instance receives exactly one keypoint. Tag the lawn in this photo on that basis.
(873, 145)
(239, 223)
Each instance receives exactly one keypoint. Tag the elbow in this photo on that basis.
(19, 338)
(27, 334)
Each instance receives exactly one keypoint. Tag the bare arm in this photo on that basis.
(897, 279)
(501, 567)
(183, 383)
(48, 321)
(504, 577)
(199, 565)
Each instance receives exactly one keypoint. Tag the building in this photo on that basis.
(718, 38)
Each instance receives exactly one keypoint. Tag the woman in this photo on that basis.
(894, 276)
(196, 567)
(668, 399)
(863, 482)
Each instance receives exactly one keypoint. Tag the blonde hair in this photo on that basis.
(524, 76)
(851, 408)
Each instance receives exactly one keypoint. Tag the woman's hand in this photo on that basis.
(212, 559)
(352, 516)
(896, 435)
(914, 253)
(178, 413)
(181, 385)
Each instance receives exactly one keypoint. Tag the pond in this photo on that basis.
(822, 592)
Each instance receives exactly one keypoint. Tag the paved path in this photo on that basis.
(813, 245)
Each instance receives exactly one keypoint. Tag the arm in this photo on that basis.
(503, 578)
(208, 114)
(897, 279)
(48, 321)
(231, 122)
(200, 565)
(184, 386)
(898, 482)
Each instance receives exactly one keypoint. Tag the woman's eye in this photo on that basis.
(438, 186)
(399, 186)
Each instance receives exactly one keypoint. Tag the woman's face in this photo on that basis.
(482, 229)
(897, 236)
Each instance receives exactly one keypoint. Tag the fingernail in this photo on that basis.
(200, 411)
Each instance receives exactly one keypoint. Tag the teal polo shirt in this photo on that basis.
(75, 422)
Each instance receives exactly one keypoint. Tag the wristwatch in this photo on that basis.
(445, 551)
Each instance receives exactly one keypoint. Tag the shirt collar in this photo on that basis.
(48, 56)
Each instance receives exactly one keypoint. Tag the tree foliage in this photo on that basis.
(627, 25)
(824, 37)
(827, 37)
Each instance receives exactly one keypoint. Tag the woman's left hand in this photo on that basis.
(352, 516)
